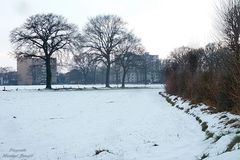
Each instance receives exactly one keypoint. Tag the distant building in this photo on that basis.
(32, 71)
(8, 78)
(1, 80)
(147, 72)
(152, 67)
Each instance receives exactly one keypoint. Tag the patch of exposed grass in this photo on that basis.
(209, 135)
(194, 106)
(236, 125)
(234, 141)
(205, 155)
(231, 121)
(204, 126)
(97, 152)
(169, 100)
(187, 111)
(184, 100)
(213, 111)
(175, 99)
(205, 110)
(192, 114)
(217, 138)
(199, 120)
(178, 107)
(162, 94)
(222, 117)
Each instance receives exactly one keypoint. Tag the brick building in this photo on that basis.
(32, 71)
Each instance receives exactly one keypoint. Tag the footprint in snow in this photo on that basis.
(110, 102)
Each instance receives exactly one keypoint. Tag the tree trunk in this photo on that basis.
(94, 75)
(108, 73)
(48, 73)
(117, 77)
(85, 78)
(145, 75)
(123, 78)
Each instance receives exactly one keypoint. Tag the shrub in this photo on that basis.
(209, 76)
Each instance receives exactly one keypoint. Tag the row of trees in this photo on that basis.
(210, 74)
(105, 40)
(143, 69)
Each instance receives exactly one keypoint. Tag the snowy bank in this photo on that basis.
(222, 129)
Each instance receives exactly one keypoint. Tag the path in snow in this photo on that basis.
(132, 124)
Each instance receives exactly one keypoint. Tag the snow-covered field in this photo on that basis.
(117, 124)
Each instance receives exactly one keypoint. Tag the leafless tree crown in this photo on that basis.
(43, 35)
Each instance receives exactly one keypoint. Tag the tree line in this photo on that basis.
(145, 69)
(210, 74)
(105, 41)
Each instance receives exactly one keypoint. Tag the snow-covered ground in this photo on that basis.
(221, 128)
(117, 124)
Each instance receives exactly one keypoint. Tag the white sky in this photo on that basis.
(161, 24)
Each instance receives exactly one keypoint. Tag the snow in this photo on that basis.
(218, 125)
(234, 155)
(126, 124)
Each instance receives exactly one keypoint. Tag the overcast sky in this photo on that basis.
(161, 24)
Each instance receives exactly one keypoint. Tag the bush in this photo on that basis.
(209, 76)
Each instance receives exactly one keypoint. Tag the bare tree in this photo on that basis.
(229, 24)
(4, 70)
(102, 35)
(44, 36)
(128, 54)
(85, 62)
